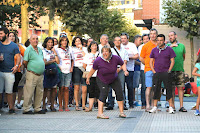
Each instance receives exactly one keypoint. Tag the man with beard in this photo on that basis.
(8, 50)
(178, 70)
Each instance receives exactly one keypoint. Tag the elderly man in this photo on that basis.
(133, 55)
(8, 50)
(104, 41)
(33, 60)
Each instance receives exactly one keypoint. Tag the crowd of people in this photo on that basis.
(67, 73)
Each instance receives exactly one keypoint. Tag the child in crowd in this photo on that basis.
(196, 72)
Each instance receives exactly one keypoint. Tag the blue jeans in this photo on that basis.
(143, 87)
(129, 82)
(122, 80)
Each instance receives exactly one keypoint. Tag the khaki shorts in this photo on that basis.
(178, 78)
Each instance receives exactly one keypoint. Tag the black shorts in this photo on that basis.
(158, 78)
(104, 89)
(93, 88)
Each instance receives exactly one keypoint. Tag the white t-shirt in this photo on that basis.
(78, 57)
(89, 60)
(65, 58)
(139, 50)
(132, 50)
(48, 54)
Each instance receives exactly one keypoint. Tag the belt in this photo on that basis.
(34, 73)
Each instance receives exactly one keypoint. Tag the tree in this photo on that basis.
(12, 15)
(93, 18)
(184, 14)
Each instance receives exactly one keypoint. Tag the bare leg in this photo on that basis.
(180, 94)
(44, 98)
(84, 93)
(14, 97)
(198, 99)
(100, 107)
(147, 94)
(91, 102)
(48, 96)
(20, 93)
(53, 95)
(121, 106)
(10, 100)
(76, 94)
(66, 97)
(60, 97)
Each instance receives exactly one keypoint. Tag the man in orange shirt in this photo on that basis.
(145, 59)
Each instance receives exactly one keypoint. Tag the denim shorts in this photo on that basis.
(7, 80)
(77, 77)
(149, 78)
(66, 79)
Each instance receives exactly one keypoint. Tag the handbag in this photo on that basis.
(85, 74)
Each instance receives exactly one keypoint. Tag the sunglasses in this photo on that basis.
(63, 35)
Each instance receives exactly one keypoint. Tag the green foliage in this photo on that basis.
(93, 18)
(184, 14)
(13, 15)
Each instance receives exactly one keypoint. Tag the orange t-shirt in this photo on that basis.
(22, 50)
(145, 53)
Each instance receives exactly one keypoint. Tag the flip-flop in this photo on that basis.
(102, 116)
(122, 115)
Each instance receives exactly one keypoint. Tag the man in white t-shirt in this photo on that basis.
(145, 39)
(133, 55)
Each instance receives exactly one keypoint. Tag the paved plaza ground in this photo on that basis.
(137, 121)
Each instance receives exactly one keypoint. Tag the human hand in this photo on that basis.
(88, 81)
(14, 69)
(126, 73)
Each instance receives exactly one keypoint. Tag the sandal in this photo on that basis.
(182, 109)
(84, 108)
(88, 110)
(60, 110)
(67, 109)
(122, 115)
(77, 108)
(147, 109)
(53, 110)
(102, 116)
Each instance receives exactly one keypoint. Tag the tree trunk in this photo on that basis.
(192, 54)
(24, 21)
(51, 18)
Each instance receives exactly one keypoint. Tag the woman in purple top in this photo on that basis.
(106, 77)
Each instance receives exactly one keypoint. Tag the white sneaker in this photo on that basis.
(171, 110)
(153, 110)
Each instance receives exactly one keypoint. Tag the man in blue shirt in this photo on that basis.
(8, 50)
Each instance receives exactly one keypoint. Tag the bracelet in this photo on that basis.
(16, 65)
